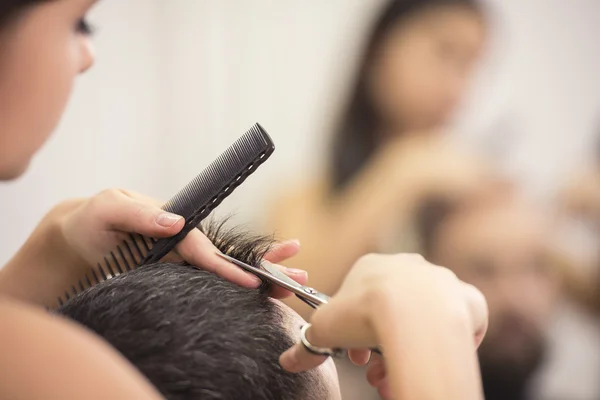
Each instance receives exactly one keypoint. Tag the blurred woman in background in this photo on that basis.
(387, 152)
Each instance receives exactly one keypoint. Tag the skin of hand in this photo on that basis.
(428, 323)
(435, 166)
(78, 233)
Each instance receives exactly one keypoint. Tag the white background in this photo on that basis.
(177, 81)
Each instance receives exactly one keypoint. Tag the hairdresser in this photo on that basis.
(388, 153)
(428, 322)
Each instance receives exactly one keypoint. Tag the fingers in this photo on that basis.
(197, 250)
(342, 323)
(375, 370)
(283, 251)
(128, 211)
(298, 275)
(131, 212)
(377, 376)
(359, 357)
(478, 310)
(298, 359)
(384, 390)
(143, 198)
(121, 212)
(337, 324)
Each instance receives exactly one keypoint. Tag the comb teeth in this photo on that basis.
(213, 185)
(222, 173)
(194, 202)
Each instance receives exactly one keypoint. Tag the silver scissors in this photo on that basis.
(272, 274)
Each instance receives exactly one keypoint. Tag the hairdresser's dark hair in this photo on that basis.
(195, 335)
(11, 8)
(354, 139)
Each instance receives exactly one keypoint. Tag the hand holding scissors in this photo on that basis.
(428, 321)
(308, 295)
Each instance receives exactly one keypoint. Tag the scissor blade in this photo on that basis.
(257, 271)
(277, 278)
(278, 274)
(272, 274)
(310, 296)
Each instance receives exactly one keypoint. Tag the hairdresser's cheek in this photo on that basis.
(56, 77)
(52, 65)
(34, 92)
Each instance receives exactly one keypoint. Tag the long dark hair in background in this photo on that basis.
(355, 139)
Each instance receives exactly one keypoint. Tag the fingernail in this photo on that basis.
(297, 241)
(295, 271)
(167, 220)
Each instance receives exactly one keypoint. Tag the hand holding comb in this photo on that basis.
(194, 203)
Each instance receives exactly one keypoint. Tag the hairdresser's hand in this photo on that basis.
(427, 322)
(433, 167)
(78, 233)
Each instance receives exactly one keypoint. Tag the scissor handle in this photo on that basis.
(325, 299)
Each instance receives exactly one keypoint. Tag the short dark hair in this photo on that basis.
(195, 335)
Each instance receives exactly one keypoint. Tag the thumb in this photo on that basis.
(298, 359)
(125, 213)
(338, 324)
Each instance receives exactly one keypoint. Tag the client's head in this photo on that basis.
(497, 241)
(197, 336)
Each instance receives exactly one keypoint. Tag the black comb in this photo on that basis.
(194, 203)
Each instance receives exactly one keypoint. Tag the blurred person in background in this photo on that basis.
(387, 152)
(580, 201)
(501, 243)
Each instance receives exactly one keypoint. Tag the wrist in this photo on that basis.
(42, 268)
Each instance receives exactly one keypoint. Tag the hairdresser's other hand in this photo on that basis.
(427, 322)
(434, 166)
(78, 233)
(98, 224)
